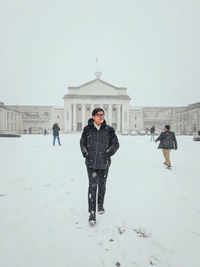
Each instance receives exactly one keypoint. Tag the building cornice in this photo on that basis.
(119, 97)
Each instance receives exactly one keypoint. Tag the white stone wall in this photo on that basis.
(56, 115)
(10, 120)
(136, 122)
(187, 122)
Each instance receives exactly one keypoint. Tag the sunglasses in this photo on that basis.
(100, 115)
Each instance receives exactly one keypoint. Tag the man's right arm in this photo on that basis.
(83, 143)
(159, 137)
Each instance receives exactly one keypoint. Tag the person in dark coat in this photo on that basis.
(167, 143)
(98, 143)
(56, 130)
(152, 131)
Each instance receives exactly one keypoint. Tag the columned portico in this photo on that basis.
(80, 102)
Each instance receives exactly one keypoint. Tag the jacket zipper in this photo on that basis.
(96, 149)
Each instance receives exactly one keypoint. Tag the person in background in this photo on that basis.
(98, 143)
(167, 143)
(56, 130)
(152, 131)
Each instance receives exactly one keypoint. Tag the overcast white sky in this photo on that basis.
(152, 47)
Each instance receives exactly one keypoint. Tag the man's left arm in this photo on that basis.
(114, 144)
(83, 143)
(175, 142)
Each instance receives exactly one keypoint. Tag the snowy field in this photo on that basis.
(152, 214)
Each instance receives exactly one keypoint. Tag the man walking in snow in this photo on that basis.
(167, 142)
(98, 143)
(56, 130)
(152, 131)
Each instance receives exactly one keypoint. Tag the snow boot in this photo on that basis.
(169, 167)
(101, 209)
(92, 218)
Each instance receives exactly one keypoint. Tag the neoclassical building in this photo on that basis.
(81, 100)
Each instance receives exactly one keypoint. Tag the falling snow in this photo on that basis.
(152, 214)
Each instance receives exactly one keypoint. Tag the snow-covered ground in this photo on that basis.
(152, 214)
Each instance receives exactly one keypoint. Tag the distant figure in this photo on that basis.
(98, 143)
(167, 142)
(199, 132)
(56, 130)
(152, 131)
(45, 131)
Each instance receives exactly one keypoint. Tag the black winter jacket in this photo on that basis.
(97, 146)
(56, 130)
(152, 130)
(167, 140)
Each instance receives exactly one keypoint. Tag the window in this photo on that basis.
(46, 113)
(58, 117)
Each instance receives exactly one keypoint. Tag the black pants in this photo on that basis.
(97, 178)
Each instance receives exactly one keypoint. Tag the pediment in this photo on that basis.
(97, 87)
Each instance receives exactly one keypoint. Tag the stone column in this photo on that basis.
(91, 108)
(74, 118)
(110, 114)
(9, 121)
(4, 121)
(68, 117)
(1, 120)
(123, 119)
(118, 118)
(128, 125)
(83, 116)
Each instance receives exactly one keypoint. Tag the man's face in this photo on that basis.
(98, 118)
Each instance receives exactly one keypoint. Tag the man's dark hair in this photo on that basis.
(167, 127)
(96, 110)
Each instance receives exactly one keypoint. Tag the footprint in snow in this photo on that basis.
(142, 232)
(153, 261)
(121, 230)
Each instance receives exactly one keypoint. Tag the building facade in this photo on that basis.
(80, 101)
(30, 119)
(187, 121)
(10, 120)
